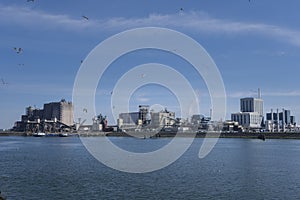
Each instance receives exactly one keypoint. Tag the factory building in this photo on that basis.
(52, 117)
(279, 121)
(251, 104)
(134, 118)
(249, 120)
(284, 116)
(162, 118)
(251, 113)
(62, 111)
(144, 118)
(129, 118)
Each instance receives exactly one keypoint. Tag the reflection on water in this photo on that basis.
(61, 168)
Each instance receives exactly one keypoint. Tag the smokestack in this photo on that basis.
(277, 120)
(272, 121)
(283, 120)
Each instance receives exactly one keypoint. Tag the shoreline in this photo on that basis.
(247, 135)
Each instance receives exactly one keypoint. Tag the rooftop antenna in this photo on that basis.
(258, 95)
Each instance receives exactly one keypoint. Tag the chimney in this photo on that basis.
(272, 121)
(283, 120)
(277, 120)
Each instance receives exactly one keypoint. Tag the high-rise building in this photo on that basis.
(52, 117)
(293, 120)
(251, 104)
(251, 112)
(62, 111)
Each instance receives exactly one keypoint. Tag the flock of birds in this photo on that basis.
(19, 50)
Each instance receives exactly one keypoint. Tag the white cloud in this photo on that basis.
(283, 94)
(189, 21)
(142, 99)
(40, 89)
(240, 94)
(31, 18)
(264, 94)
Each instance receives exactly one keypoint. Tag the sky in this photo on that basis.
(255, 44)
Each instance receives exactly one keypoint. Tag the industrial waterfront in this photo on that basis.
(149, 100)
(56, 119)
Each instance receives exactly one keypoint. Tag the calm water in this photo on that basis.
(61, 168)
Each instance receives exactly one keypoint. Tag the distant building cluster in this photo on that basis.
(54, 117)
(251, 118)
(251, 113)
(58, 117)
(280, 121)
(146, 118)
(164, 121)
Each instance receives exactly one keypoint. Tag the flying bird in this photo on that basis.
(18, 50)
(3, 82)
(85, 17)
(181, 9)
(30, 0)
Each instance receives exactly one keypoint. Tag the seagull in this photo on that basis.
(85, 17)
(3, 82)
(30, 0)
(21, 64)
(18, 50)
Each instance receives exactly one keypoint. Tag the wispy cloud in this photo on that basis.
(142, 99)
(32, 18)
(239, 94)
(275, 53)
(283, 94)
(190, 21)
(41, 89)
(265, 94)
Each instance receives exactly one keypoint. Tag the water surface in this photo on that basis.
(61, 168)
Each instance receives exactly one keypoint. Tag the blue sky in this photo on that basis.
(254, 44)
